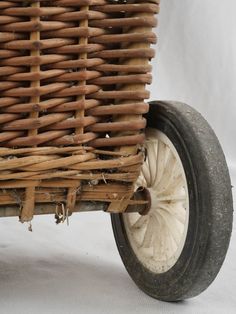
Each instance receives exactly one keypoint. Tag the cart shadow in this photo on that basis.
(66, 283)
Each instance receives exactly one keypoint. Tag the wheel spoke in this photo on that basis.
(179, 213)
(163, 243)
(152, 159)
(170, 224)
(167, 176)
(174, 175)
(148, 235)
(141, 181)
(158, 234)
(172, 245)
(161, 153)
(168, 242)
(171, 198)
(157, 246)
(175, 185)
(159, 240)
(142, 220)
(146, 174)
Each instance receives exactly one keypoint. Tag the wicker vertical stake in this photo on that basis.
(27, 211)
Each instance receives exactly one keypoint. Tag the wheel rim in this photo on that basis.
(158, 238)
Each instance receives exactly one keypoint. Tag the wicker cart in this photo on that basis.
(73, 119)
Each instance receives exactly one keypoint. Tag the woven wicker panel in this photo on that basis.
(72, 91)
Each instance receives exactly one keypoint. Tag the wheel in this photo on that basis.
(176, 250)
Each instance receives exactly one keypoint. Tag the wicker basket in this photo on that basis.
(73, 76)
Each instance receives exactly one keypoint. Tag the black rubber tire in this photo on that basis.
(211, 207)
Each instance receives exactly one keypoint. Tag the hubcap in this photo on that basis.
(158, 238)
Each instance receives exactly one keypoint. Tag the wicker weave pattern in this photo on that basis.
(73, 75)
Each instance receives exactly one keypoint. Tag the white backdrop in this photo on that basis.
(196, 62)
(77, 269)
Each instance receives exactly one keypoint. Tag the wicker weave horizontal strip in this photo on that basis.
(50, 105)
(148, 37)
(59, 3)
(54, 60)
(72, 175)
(138, 7)
(56, 121)
(57, 196)
(52, 45)
(47, 150)
(124, 68)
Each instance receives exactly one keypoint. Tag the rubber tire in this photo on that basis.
(211, 207)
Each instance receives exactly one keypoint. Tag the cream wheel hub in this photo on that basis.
(158, 238)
